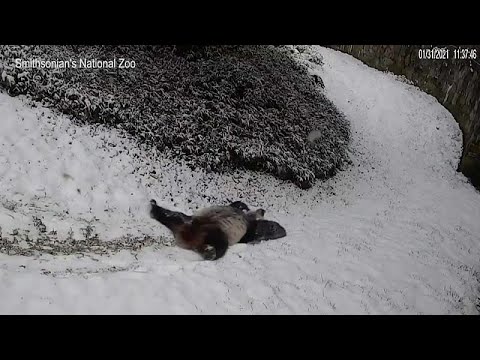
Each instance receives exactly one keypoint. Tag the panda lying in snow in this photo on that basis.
(212, 230)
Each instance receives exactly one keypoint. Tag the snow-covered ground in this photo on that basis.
(397, 233)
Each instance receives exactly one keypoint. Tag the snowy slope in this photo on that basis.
(397, 233)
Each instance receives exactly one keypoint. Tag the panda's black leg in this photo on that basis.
(239, 205)
(216, 245)
(169, 218)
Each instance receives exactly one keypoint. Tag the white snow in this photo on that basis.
(396, 233)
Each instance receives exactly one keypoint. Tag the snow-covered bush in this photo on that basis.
(217, 107)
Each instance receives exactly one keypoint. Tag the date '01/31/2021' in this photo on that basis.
(446, 54)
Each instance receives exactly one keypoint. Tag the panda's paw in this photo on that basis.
(239, 205)
(209, 253)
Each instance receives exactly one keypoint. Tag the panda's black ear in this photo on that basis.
(261, 213)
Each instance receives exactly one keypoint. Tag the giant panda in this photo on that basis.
(212, 230)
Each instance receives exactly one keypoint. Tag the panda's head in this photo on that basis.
(260, 214)
(256, 215)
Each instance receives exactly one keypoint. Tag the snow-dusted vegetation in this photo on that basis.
(217, 107)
